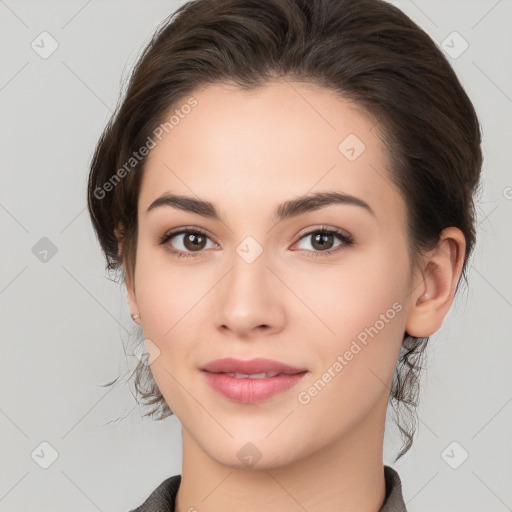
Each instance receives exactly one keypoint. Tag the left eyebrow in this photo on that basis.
(286, 210)
(304, 204)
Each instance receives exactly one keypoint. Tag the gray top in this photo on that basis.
(163, 497)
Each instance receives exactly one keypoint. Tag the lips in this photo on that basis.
(251, 381)
(253, 368)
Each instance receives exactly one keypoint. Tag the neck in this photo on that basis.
(346, 475)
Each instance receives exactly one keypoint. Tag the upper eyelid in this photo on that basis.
(324, 227)
(180, 231)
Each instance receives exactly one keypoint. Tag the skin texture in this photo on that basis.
(247, 152)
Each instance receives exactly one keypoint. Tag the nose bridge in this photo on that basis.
(247, 297)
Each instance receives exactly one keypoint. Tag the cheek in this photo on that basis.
(173, 302)
(164, 292)
(170, 304)
(358, 324)
(344, 298)
(355, 362)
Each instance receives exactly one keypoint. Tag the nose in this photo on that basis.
(249, 301)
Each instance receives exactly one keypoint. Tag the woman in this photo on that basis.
(287, 188)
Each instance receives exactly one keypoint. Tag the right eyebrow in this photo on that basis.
(186, 203)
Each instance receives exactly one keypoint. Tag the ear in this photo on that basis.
(433, 293)
(130, 285)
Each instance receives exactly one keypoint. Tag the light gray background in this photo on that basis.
(64, 323)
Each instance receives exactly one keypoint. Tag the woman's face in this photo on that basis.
(262, 282)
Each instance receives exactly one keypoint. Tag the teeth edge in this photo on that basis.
(263, 375)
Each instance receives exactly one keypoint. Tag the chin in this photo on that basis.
(253, 453)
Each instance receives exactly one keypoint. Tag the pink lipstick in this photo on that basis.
(251, 381)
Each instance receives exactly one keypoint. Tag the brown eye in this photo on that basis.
(186, 242)
(323, 241)
(194, 241)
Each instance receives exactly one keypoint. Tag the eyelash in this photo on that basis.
(346, 239)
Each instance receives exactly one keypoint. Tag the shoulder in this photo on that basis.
(162, 498)
(394, 501)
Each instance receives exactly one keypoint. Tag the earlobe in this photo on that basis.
(132, 301)
(130, 288)
(131, 296)
(432, 298)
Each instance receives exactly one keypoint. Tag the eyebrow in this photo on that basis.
(286, 210)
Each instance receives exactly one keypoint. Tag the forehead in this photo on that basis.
(253, 148)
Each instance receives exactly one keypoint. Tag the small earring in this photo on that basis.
(135, 316)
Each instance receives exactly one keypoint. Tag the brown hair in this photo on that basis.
(367, 51)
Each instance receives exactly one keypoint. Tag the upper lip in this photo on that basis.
(252, 366)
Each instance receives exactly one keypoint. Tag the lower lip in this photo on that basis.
(251, 390)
